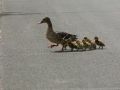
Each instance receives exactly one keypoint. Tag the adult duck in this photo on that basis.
(56, 37)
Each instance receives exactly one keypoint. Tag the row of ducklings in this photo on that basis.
(84, 44)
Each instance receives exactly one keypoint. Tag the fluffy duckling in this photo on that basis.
(99, 43)
(80, 44)
(86, 45)
(93, 45)
(72, 44)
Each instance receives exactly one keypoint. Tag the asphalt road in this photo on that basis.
(28, 64)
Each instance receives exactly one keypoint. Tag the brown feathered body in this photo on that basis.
(56, 37)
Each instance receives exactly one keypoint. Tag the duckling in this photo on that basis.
(56, 37)
(99, 43)
(80, 44)
(65, 44)
(86, 45)
(72, 44)
(93, 45)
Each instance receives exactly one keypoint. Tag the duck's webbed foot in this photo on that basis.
(51, 46)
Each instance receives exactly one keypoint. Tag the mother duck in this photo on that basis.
(56, 37)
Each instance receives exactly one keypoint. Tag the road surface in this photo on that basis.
(27, 64)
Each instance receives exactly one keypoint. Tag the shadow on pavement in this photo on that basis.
(66, 51)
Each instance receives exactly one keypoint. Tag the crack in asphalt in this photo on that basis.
(42, 13)
(16, 13)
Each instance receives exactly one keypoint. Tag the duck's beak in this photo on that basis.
(40, 22)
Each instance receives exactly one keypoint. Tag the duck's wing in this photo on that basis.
(65, 36)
